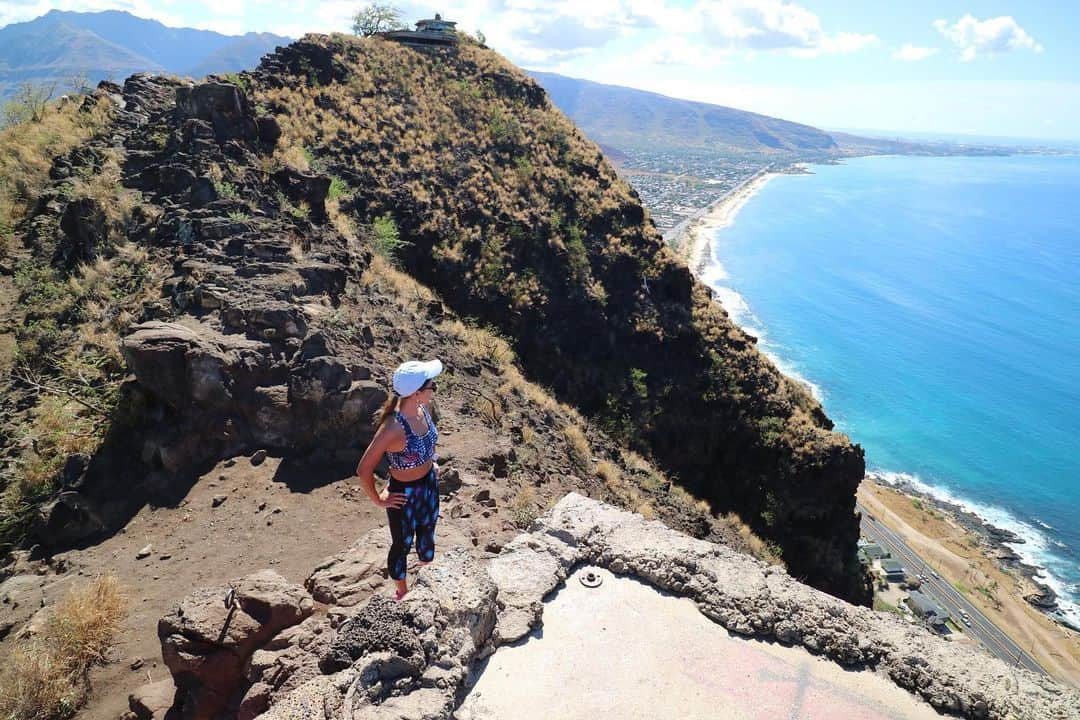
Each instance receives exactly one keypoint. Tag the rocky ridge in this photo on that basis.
(262, 340)
(516, 219)
(267, 335)
(415, 659)
(225, 362)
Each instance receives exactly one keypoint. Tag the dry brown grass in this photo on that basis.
(490, 409)
(751, 541)
(645, 510)
(47, 677)
(482, 344)
(26, 154)
(384, 277)
(103, 186)
(58, 428)
(524, 508)
(578, 446)
(611, 475)
(113, 291)
(687, 500)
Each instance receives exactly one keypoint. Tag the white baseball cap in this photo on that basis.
(410, 376)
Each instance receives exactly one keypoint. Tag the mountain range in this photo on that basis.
(627, 118)
(60, 46)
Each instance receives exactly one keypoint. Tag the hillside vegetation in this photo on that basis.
(179, 296)
(515, 218)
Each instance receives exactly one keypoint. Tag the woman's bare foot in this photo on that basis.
(402, 589)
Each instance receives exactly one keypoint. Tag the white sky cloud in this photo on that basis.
(670, 50)
(975, 37)
(533, 31)
(913, 53)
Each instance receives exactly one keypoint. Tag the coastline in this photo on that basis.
(692, 241)
(972, 555)
(968, 551)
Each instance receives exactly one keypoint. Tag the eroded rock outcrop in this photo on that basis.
(229, 359)
(412, 660)
(208, 638)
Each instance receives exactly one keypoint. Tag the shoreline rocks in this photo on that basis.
(995, 539)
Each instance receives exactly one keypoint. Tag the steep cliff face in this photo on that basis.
(517, 220)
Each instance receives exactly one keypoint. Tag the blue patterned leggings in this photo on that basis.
(416, 518)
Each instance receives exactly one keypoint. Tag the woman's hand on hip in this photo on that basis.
(388, 499)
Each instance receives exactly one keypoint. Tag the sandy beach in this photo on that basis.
(694, 243)
(974, 569)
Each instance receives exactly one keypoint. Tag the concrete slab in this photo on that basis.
(626, 650)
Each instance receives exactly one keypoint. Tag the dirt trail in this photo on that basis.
(286, 516)
(7, 322)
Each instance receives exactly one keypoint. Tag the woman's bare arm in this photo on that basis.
(384, 438)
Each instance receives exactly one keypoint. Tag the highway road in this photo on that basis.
(943, 593)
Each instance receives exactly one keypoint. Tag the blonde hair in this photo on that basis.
(386, 410)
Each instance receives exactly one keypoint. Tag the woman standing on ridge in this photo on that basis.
(406, 434)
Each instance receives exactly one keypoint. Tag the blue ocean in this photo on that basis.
(933, 305)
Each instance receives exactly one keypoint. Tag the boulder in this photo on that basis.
(21, 596)
(351, 576)
(305, 188)
(317, 344)
(269, 319)
(85, 230)
(289, 660)
(363, 398)
(207, 639)
(524, 578)
(70, 517)
(269, 129)
(157, 353)
(323, 278)
(152, 701)
(318, 378)
(183, 365)
(174, 178)
(222, 105)
(384, 627)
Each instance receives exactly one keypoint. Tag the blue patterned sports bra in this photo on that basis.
(419, 449)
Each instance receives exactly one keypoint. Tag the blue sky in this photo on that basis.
(1005, 68)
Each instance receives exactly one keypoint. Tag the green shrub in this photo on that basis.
(238, 80)
(338, 188)
(577, 256)
(225, 189)
(385, 239)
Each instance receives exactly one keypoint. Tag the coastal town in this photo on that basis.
(675, 185)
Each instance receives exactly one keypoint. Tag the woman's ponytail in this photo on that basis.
(386, 410)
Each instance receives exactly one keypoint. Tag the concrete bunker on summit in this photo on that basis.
(434, 31)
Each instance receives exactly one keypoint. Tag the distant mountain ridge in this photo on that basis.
(627, 118)
(61, 45)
